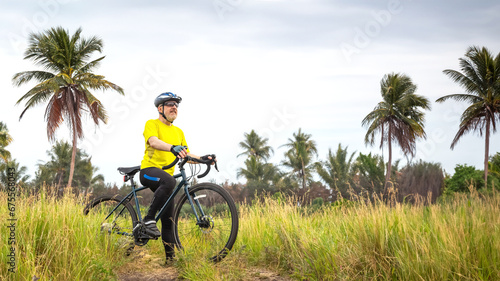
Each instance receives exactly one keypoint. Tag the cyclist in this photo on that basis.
(164, 142)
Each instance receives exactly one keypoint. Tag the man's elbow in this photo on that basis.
(153, 142)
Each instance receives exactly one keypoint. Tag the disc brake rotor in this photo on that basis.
(207, 224)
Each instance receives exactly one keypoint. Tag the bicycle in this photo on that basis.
(205, 216)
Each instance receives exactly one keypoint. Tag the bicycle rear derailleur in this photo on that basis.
(140, 236)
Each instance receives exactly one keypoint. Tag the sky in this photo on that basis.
(273, 66)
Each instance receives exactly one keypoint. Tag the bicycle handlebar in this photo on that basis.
(171, 164)
(207, 162)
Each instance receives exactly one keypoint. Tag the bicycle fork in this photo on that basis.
(196, 202)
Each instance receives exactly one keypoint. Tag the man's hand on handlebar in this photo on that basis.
(209, 157)
(208, 160)
(179, 151)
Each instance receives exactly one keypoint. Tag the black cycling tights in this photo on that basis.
(162, 184)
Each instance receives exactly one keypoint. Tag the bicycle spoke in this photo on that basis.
(215, 230)
(119, 222)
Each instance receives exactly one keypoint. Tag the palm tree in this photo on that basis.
(370, 172)
(86, 175)
(60, 159)
(257, 171)
(55, 171)
(397, 117)
(65, 83)
(494, 165)
(5, 140)
(337, 171)
(255, 146)
(259, 176)
(20, 178)
(95, 178)
(480, 77)
(300, 155)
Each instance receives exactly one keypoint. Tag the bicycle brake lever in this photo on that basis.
(215, 162)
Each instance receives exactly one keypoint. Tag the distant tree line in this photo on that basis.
(345, 175)
(342, 174)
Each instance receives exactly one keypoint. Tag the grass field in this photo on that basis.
(456, 239)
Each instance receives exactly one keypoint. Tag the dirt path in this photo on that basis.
(148, 268)
(163, 274)
(170, 274)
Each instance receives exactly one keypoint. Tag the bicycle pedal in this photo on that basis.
(146, 236)
(144, 239)
(141, 237)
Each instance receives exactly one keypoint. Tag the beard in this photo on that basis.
(171, 116)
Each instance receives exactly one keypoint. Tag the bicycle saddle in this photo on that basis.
(129, 171)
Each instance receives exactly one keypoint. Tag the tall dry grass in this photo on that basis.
(458, 239)
(454, 240)
(54, 241)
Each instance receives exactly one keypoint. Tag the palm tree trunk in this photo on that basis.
(486, 153)
(73, 156)
(59, 181)
(389, 165)
(303, 175)
(57, 192)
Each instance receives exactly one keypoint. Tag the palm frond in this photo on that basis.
(54, 114)
(460, 97)
(96, 109)
(91, 65)
(26, 76)
(467, 83)
(96, 82)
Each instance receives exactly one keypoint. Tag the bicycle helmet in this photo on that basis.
(162, 98)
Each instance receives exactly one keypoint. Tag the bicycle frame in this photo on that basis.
(182, 184)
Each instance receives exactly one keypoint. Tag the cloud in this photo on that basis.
(241, 71)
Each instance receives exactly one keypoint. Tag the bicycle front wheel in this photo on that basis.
(214, 232)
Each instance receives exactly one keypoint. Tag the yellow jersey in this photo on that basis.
(169, 134)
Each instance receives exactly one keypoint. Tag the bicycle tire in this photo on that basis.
(217, 235)
(121, 221)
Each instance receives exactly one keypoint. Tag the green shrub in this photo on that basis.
(465, 176)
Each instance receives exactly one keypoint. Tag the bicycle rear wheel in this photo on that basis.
(120, 222)
(216, 232)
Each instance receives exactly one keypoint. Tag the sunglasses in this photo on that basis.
(171, 104)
